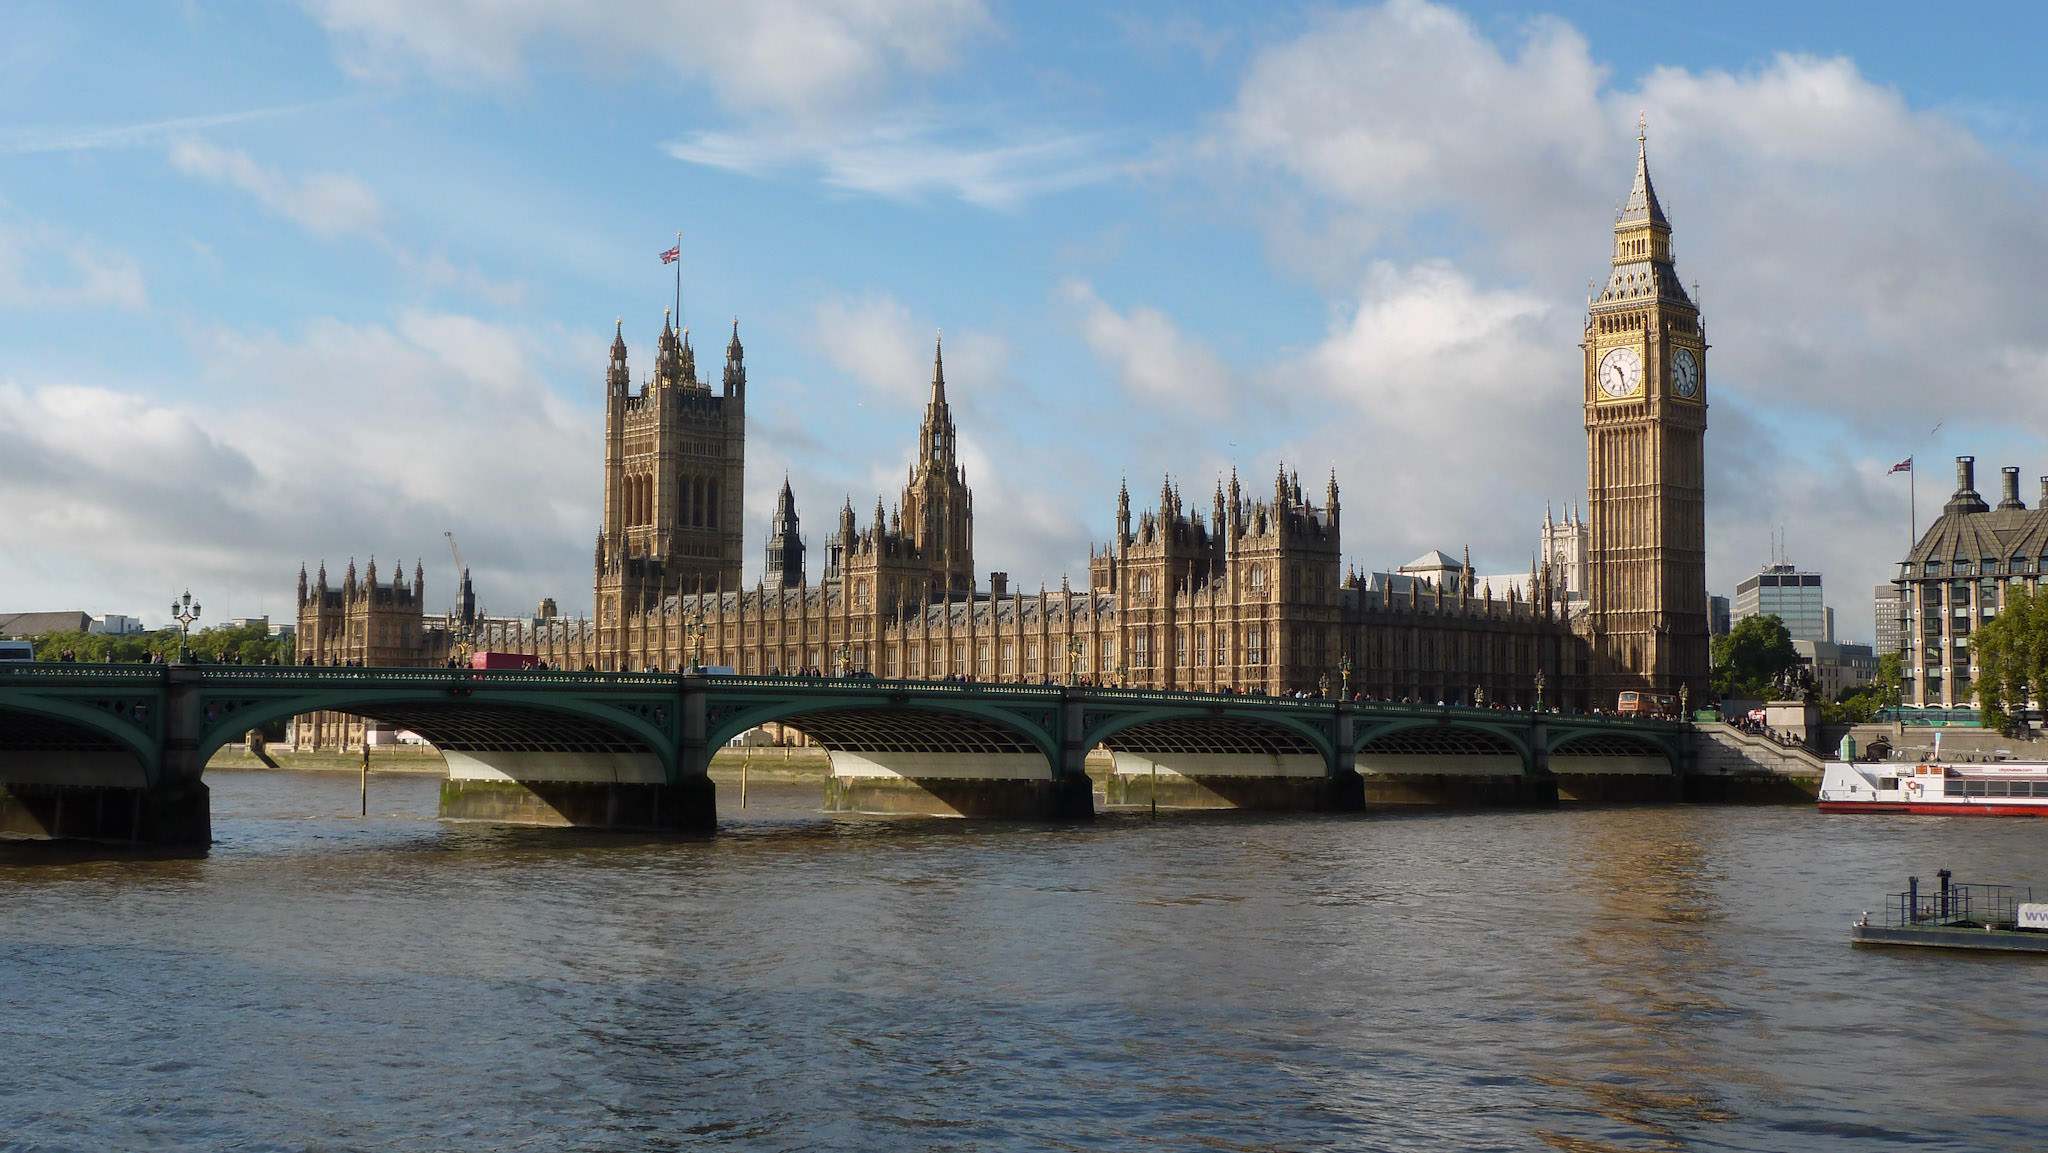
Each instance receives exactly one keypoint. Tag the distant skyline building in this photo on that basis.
(1794, 597)
(1889, 616)
(1719, 617)
(1837, 667)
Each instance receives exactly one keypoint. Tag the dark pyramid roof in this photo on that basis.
(1642, 206)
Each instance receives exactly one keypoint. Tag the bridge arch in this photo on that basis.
(480, 719)
(886, 721)
(1206, 729)
(1610, 743)
(1442, 736)
(120, 726)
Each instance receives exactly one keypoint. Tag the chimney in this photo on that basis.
(998, 585)
(2009, 489)
(1965, 499)
(2044, 492)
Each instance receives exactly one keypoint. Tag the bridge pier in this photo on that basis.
(615, 790)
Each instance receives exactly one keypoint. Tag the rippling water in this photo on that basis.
(1628, 978)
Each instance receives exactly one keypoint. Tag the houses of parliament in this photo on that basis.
(1249, 595)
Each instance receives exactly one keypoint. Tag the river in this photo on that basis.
(1581, 979)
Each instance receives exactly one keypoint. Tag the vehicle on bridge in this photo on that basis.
(1633, 704)
(17, 652)
(503, 661)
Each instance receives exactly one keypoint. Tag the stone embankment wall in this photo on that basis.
(1731, 765)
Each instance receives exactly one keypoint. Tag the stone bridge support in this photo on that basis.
(664, 790)
(77, 788)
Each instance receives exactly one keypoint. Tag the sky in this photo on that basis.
(292, 283)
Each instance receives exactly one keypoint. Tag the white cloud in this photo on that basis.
(1157, 362)
(42, 266)
(346, 440)
(902, 158)
(327, 203)
(1869, 268)
(808, 58)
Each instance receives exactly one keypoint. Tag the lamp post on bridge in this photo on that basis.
(1684, 694)
(1344, 671)
(843, 660)
(1073, 660)
(695, 631)
(1539, 689)
(184, 612)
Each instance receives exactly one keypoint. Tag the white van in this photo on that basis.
(16, 652)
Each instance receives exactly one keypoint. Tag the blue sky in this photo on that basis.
(301, 282)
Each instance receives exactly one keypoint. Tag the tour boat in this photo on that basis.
(1990, 789)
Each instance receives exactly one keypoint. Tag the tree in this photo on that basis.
(2011, 654)
(1751, 656)
(251, 644)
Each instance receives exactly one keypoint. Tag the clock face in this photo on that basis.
(1621, 372)
(1685, 374)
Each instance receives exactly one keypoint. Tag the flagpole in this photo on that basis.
(679, 282)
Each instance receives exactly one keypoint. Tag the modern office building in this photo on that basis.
(1890, 617)
(1794, 597)
(1719, 618)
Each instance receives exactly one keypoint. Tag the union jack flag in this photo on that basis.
(1905, 465)
(672, 255)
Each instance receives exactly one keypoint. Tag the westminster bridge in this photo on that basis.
(117, 752)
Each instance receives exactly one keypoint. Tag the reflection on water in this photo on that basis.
(1668, 978)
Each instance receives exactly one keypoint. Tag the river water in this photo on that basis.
(1577, 979)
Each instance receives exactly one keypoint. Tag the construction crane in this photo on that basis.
(464, 616)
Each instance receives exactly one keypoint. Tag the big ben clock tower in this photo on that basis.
(1646, 423)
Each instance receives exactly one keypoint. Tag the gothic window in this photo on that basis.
(1009, 658)
(981, 659)
(1255, 645)
(1143, 594)
(1180, 649)
(959, 658)
(860, 591)
(1255, 577)
(1031, 658)
(1141, 650)
(711, 504)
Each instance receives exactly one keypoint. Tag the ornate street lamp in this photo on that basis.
(1344, 671)
(1323, 685)
(1684, 694)
(184, 611)
(695, 631)
(1073, 660)
(844, 659)
(1539, 689)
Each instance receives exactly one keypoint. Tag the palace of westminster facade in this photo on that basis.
(1250, 597)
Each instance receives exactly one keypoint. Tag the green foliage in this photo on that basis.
(2011, 654)
(252, 644)
(1751, 656)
